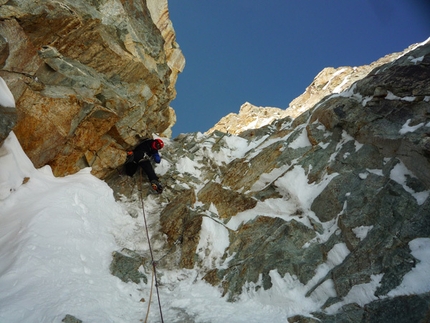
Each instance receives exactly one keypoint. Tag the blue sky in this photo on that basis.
(268, 52)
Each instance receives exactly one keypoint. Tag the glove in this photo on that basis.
(130, 157)
(156, 157)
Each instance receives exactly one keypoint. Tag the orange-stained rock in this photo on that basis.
(88, 80)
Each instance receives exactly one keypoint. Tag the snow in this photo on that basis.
(186, 165)
(266, 179)
(6, 97)
(237, 146)
(332, 77)
(363, 175)
(56, 240)
(297, 194)
(399, 174)
(407, 128)
(213, 237)
(287, 294)
(362, 231)
(416, 60)
(295, 182)
(350, 93)
(340, 87)
(345, 138)
(368, 171)
(391, 96)
(56, 245)
(416, 281)
(337, 254)
(360, 294)
(270, 208)
(231, 147)
(301, 141)
(57, 236)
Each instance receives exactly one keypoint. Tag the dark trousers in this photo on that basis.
(146, 165)
(149, 171)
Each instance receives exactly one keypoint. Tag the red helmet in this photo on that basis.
(157, 144)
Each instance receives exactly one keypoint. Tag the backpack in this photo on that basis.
(130, 166)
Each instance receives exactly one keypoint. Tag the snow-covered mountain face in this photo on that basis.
(333, 205)
(320, 214)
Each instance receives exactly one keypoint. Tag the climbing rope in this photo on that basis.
(154, 271)
(150, 296)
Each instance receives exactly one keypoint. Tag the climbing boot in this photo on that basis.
(156, 186)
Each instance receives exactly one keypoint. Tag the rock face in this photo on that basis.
(249, 117)
(333, 200)
(88, 78)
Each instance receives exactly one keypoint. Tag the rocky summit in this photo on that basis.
(88, 78)
(329, 197)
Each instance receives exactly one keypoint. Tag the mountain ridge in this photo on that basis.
(329, 81)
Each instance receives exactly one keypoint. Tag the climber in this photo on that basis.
(141, 156)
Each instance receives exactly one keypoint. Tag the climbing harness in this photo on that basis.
(154, 271)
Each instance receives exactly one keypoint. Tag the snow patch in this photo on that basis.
(295, 182)
(186, 165)
(399, 173)
(6, 97)
(340, 87)
(407, 128)
(392, 96)
(362, 231)
(301, 141)
(214, 240)
(416, 60)
(361, 294)
(417, 281)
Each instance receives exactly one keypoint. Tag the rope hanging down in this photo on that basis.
(154, 272)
